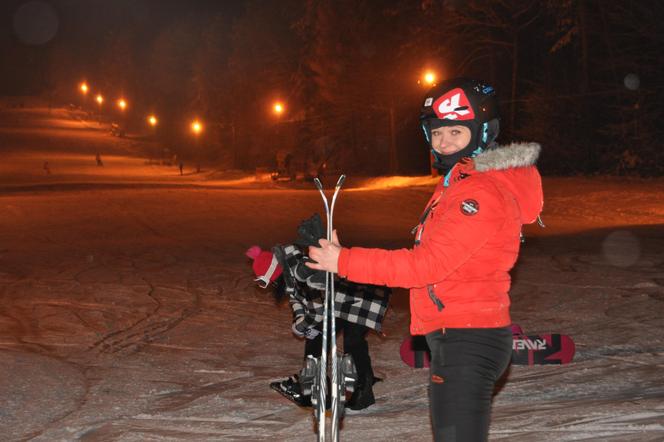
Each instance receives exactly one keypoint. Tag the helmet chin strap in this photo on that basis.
(445, 163)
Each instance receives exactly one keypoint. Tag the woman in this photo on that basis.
(466, 242)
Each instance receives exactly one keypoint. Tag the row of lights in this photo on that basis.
(196, 126)
(428, 78)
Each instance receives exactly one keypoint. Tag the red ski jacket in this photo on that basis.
(466, 243)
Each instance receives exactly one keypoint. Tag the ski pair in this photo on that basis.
(314, 374)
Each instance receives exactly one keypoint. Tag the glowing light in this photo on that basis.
(84, 88)
(196, 127)
(278, 108)
(429, 78)
(99, 99)
(122, 104)
(152, 120)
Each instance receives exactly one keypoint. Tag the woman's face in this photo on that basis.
(447, 140)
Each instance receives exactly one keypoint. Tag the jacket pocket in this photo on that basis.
(422, 306)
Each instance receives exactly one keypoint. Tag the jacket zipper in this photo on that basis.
(432, 294)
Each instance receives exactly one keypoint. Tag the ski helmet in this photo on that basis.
(461, 102)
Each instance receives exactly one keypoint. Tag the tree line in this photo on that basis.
(582, 77)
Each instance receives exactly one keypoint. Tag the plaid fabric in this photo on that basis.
(357, 303)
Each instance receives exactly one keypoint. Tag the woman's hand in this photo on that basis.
(327, 255)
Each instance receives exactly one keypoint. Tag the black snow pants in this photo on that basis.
(465, 365)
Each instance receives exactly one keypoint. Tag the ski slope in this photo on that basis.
(128, 310)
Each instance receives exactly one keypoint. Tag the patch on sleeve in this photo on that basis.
(470, 207)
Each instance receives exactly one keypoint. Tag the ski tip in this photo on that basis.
(318, 183)
(341, 180)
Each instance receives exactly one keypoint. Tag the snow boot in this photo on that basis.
(363, 395)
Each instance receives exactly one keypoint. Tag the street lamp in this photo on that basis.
(83, 88)
(122, 126)
(100, 100)
(278, 108)
(197, 129)
(152, 121)
(428, 78)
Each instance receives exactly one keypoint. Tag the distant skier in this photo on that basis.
(360, 308)
(181, 168)
(466, 242)
(98, 160)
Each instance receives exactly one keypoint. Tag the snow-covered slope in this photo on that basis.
(129, 313)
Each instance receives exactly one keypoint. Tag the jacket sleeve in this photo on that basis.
(296, 306)
(452, 236)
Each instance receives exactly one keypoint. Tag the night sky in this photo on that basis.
(31, 30)
(584, 78)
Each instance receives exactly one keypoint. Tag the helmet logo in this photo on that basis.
(454, 105)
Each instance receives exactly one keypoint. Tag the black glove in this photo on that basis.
(288, 257)
(302, 272)
(310, 231)
(313, 278)
(317, 280)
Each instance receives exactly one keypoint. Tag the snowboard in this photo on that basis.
(415, 352)
(542, 349)
(552, 348)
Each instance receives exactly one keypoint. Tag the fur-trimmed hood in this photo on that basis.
(506, 157)
(512, 168)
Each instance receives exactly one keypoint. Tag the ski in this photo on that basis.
(320, 384)
(336, 363)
